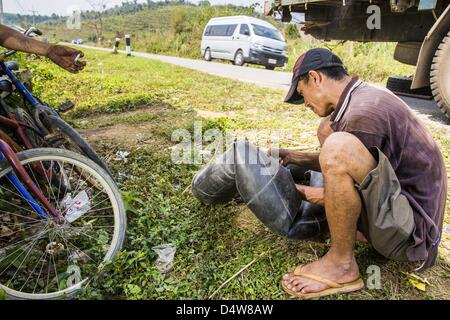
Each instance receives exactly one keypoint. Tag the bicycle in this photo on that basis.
(53, 240)
(43, 122)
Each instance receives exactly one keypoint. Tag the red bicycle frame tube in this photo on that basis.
(12, 123)
(26, 179)
(13, 145)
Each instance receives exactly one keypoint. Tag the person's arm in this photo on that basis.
(309, 160)
(311, 194)
(63, 56)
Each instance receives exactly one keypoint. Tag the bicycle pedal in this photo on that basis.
(66, 106)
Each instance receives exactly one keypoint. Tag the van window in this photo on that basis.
(244, 29)
(220, 30)
(266, 32)
(230, 29)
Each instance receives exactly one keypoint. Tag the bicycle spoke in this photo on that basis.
(20, 197)
(36, 253)
(19, 224)
(34, 177)
(7, 247)
(40, 271)
(13, 192)
(26, 256)
(68, 179)
(31, 273)
(59, 185)
(37, 238)
(49, 185)
(56, 272)
(19, 215)
(29, 227)
(78, 248)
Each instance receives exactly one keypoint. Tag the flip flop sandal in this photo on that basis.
(334, 287)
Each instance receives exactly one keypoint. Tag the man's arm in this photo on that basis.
(309, 160)
(311, 194)
(63, 56)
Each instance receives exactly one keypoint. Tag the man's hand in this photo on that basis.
(311, 194)
(66, 57)
(283, 154)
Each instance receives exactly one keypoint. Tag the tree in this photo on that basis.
(96, 17)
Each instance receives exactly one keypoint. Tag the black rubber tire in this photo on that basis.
(440, 76)
(239, 58)
(207, 55)
(34, 136)
(399, 85)
(50, 152)
(270, 67)
(79, 144)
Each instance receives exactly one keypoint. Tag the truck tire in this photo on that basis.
(440, 75)
(402, 86)
(399, 84)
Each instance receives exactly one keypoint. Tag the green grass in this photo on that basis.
(134, 104)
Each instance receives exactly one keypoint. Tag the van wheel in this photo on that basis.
(440, 76)
(207, 54)
(270, 67)
(239, 58)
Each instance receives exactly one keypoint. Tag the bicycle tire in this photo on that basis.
(28, 158)
(57, 124)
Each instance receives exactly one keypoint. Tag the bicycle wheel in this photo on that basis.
(64, 136)
(43, 259)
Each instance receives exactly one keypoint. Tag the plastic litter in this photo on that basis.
(121, 155)
(77, 206)
(166, 254)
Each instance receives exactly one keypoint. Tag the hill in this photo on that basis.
(175, 28)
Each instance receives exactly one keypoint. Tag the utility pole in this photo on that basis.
(1, 11)
(34, 16)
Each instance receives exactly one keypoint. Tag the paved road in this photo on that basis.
(261, 77)
(426, 109)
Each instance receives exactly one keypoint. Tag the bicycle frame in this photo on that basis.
(7, 153)
(24, 91)
(10, 121)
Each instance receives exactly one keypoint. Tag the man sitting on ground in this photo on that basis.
(384, 175)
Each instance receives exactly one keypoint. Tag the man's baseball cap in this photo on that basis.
(313, 59)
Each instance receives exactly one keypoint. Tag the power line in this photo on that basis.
(18, 3)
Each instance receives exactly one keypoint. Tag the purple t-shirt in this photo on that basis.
(379, 118)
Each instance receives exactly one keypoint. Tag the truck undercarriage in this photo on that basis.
(420, 28)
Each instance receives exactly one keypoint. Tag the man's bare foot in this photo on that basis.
(328, 267)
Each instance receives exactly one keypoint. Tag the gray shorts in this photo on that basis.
(387, 219)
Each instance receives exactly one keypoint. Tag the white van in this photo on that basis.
(244, 39)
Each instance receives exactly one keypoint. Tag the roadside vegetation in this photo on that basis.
(176, 29)
(133, 104)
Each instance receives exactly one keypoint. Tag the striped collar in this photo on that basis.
(354, 83)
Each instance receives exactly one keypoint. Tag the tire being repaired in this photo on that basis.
(267, 188)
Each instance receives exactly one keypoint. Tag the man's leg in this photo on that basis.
(344, 160)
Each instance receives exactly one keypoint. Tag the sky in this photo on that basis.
(64, 7)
